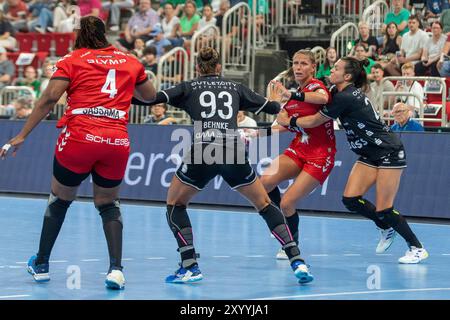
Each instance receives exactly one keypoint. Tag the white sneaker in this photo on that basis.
(414, 255)
(387, 238)
(114, 28)
(115, 280)
(40, 30)
(281, 255)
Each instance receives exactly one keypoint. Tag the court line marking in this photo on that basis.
(15, 296)
(446, 254)
(22, 262)
(353, 293)
(221, 256)
(351, 254)
(15, 267)
(231, 211)
(156, 258)
(319, 255)
(58, 261)
(255, 256)
(127, 259)
(90, 260)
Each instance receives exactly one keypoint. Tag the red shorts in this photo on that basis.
(90, 148)
(318, 167)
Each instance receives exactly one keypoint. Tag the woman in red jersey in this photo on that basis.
(100, 82)
(309, 158)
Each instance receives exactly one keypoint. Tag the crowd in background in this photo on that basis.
(416, 40)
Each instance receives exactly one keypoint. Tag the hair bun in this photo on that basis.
(207, 54)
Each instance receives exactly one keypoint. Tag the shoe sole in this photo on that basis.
(113, 285)
(282, 258)
(37, 277)
(304, 277)
(192, 279)
(414, 262)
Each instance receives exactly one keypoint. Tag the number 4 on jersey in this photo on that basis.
(110, 83)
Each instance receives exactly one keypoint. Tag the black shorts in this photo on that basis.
(394, 160)
(198, 175)
(72, 179)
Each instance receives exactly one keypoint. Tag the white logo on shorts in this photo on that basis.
(63, 141)
(401, 154)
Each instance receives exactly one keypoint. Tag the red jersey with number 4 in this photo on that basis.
(321, 140)
(102, 83)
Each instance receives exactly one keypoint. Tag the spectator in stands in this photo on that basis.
(114, 8)
(158, 115)
(158, 41)
(6, 32)
(324, 71)
(139, 26)
(399, 16)
(377, 87)
(64, 16)
(246, 133)
(434, 8)
(223, 8)
(47, 72)
(171, 73)
(208, 18)
(445, 20)
(431, 52)
(23, 108)
(360, 54)
(169, 24)
(410, 86)
(139, 46)
(89, 7)
(403, 121)
(444, 62)
(16, 11)
(411, 48)
(7, 69)
(188, 23)
(392, 41)
(31, 80)
(42, 16)
(149, 59)
(369, 42)
(245, 121)
(262, 9)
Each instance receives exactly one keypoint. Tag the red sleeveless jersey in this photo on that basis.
(321, 140)
(102, 82)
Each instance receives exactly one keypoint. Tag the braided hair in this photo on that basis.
(91, 34)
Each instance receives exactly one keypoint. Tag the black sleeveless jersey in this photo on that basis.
(367, 135)
(213, 103)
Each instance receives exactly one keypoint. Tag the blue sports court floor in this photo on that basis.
(237, 257)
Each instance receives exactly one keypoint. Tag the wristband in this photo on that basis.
(6, 147)
(293, 122)
(299, 96)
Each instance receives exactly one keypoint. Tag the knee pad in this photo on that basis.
(56, 207)
(110, 212)
(357, 204)
(390, 216)
(179, 223)
(273, 216)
